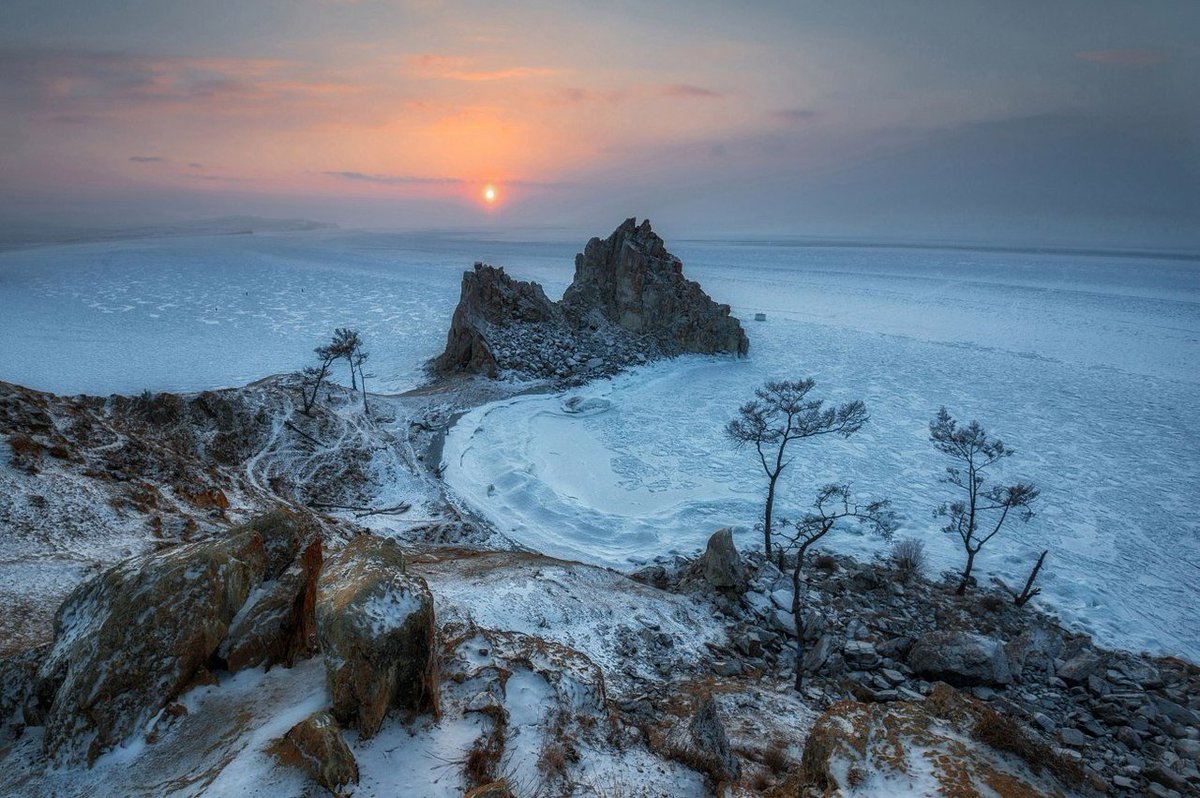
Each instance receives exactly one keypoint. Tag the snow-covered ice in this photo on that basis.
(184, 314)
(1087, 365)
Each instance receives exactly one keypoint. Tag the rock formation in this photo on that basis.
(632, 281)
(720, 563)
(629, 303)
(376, 629)
(131, 639)
(276, 626)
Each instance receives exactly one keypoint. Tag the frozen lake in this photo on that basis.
(1088, 365)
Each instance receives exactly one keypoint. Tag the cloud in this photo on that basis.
(794, 114)
(82, 85)
(398, 180)
(685, 91)
(412, 180)
(146, 159)
(1126, 58)
(448, 67)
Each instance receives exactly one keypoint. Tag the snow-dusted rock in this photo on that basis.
(315, 745)
(18, 675)
(707, 739)
(277, 623)
(375, 625)
(131, 639)
(1078, 668)
(960, 659)
(720, 564)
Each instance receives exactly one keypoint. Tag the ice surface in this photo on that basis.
(1087, 365)
(187, 314)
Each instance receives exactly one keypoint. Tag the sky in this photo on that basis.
(950, 120)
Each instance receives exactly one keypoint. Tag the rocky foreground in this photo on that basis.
(342, 638)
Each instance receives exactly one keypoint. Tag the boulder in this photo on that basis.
(816, 657)
(277, 624)
(960, 659)
(375, 626)
(315, 745)
(720, 563)
(1031, 654)
(133, 638)
(1078, 668)
(707, 738)
(860, 655)
(630, 279)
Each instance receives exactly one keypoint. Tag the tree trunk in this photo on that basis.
(797, 622)
(767, 514)
(966, 576)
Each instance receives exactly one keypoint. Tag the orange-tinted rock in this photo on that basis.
(315, 745)
(375, 626)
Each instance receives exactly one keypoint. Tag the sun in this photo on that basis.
(490, 194)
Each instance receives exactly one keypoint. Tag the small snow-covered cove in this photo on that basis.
(1086, 364)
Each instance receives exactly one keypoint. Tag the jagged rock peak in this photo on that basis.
(633, 280)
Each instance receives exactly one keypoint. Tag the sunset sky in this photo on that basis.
(1076, 122)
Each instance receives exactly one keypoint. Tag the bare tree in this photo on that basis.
(980, 514)
(356, 362)
(313, 376)
(834, 506)
(348, 345)
(780, 414)
(344, 345)
(1022, 598)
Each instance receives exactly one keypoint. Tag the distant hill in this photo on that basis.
(224, 226)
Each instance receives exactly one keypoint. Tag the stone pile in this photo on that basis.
(1129, 721)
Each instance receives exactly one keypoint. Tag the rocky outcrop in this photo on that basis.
(491, 301)
(130, 640)
(18, 679)
(375, 625)
(961, 659)
(707, 737)
(629, 303)
(631, 280)
(315, 745)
